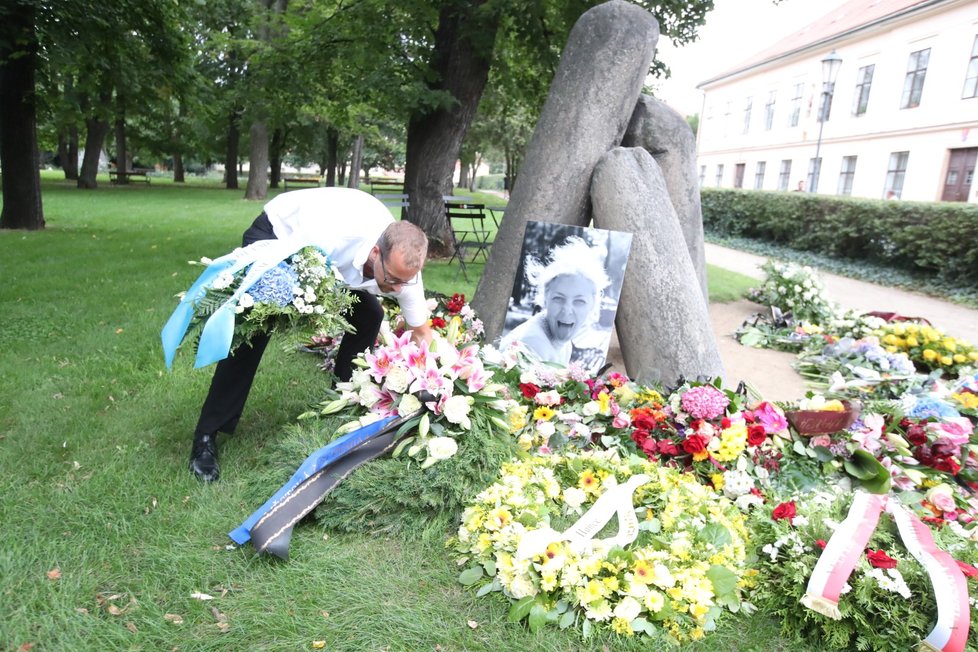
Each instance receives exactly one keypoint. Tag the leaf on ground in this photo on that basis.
(114, 610)
(224, 627)
(176, 619)
(325, 614)
(54, 574)
(222, 619)
(472, 624)
(24, 647)
(131, 626)
(81, 610)
(151, 507)
(196, 595)
(318, 645)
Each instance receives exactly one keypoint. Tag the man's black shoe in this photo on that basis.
(203, 458)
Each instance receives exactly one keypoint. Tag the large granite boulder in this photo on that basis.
(591, 100)
(662, 321)
(666, 135)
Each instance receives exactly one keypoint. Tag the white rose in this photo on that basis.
(222, 281)
(546, 429)
(246, 301)
(319, 310)
(551, 397)
(409, 404)
(441, 448)
(368, 396)
(299, 303)
(591, 408)
(456, 410)
(574, 497)
(397, 379)
(628, 608)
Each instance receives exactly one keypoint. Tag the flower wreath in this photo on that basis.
(685, 566)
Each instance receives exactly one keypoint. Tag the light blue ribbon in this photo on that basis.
(324, 456)
(218, 332)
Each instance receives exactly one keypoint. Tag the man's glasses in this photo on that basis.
(393, 281)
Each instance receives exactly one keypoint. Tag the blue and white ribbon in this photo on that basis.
(218, 332)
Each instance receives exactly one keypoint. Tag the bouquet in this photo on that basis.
(861, 367)
(448, 387)
(794, 289)
(266, 287)
(929, 347)
(677, 563)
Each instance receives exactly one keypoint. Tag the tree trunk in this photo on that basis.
(178, 172)
(434, 138)
(258, 162)
(332, 144)
(95, 131)
(463, 173)
(19, 158)
(356, 161)
(121, 153)
(71, 165)
(231, 153)
(275, 156)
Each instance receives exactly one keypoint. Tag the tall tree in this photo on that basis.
(18, 120)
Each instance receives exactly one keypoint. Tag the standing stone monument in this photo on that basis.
(666, 135)
(663, 325)
(591, 101)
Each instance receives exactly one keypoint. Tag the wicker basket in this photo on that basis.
(823, 422)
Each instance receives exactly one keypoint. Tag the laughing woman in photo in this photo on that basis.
(570, 286)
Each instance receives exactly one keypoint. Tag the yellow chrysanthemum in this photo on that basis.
(717, 480)
(498, 518)
(588, 482)
(622, 626)
(966, 399)
(593, 590)
(930, 355)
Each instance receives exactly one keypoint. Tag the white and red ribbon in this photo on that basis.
(847, 544)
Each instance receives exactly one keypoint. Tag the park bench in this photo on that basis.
(129, 175)
(301, 181)
(380, 184)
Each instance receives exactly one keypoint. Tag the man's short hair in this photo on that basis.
(410, 241)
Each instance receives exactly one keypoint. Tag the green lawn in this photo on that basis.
(107, 535)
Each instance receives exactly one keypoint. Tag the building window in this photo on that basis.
(784, 174)
(913, 83)
(719, 175)
(739, 170)
(769, 110)
(795, 114)
(759, 175)
(895, 173)
(748, 104)
(864, 79)
(971, 80)
(814, 169)
(846, 175)
(702, 175)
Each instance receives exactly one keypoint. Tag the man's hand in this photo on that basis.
(421, 335)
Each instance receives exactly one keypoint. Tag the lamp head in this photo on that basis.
(830, 67)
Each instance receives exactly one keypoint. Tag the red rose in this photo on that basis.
(784, 510)
(725, 423)
(456, 303)
(437, 322)
(643, 418)
(529, 390)
(967, 569)
(694, 444)
(821, 543)
(880, 559)
(648, 446)
(917, 435)
(756, 435)
(639, 436)
(667, 447)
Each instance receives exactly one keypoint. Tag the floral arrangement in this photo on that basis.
(447, 387)
(860, 367)
(929, 347)
(888, 602)
(686, 566)
(795, 289)
(300, 296)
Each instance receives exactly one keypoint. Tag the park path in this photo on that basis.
(769, 372)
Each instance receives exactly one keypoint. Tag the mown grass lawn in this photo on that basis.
(107, 537)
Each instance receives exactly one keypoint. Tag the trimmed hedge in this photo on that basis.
(934, 238)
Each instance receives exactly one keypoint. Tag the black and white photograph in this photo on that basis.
(565, 294)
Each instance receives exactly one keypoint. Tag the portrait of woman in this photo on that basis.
(564, 297)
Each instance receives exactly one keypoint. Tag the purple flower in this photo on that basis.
(704, 402)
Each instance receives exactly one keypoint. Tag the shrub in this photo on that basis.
(932, 238)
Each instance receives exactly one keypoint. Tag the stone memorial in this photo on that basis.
(666, 135)
(591, 101)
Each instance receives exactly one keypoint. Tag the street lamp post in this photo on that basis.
(830, 69)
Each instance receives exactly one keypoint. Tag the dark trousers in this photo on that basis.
(234, 375)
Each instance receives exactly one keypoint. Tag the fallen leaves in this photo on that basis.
(472, 624)
(176, 619)
(222, 620)
(151, 506)
(54, 574)
(196, 595)
(318, 645)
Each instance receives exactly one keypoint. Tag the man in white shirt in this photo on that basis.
(375, 256)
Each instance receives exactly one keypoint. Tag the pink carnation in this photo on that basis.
(705, 402)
